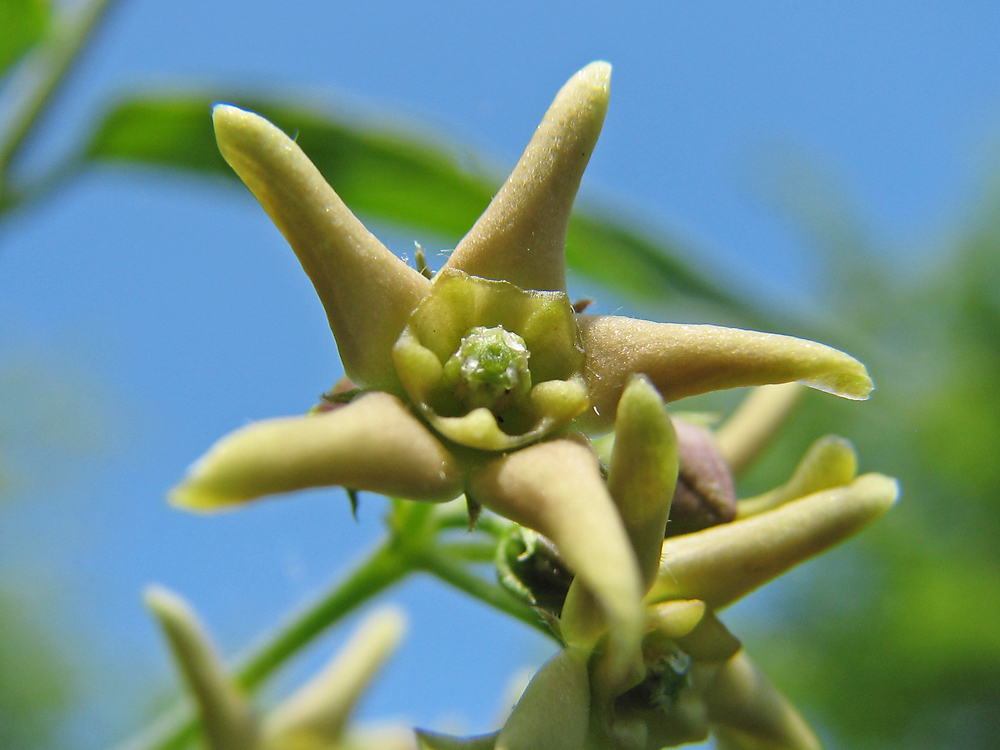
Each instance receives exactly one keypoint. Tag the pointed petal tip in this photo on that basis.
(849, 380)
(163, 602)
(596, 75)
(240, 131)
(193, 494)
(878, 491)
(228, 119)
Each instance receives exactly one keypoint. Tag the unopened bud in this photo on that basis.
(705, 495)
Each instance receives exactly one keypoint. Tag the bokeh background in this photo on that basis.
(831, 168)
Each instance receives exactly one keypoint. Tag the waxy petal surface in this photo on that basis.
(686, 360)
(521, 237)
(367, 291)
(724, 563)
(374, 444)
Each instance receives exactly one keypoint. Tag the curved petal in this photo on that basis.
(367, 291)
(685, 360)
(830, 462)
(724, 563)
(643, 471)
(226, 715)
(315, 715)
(748, 430)
(749, 713)
(554, 711)
(374, 444)
(556, 488)
(521, 237)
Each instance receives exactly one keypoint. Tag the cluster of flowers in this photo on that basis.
(485, 381)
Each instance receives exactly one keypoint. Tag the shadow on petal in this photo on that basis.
(554, 711)
(749, 713)
(724, 563)
(367, 291)
(556, 489)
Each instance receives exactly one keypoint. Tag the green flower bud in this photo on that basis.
(489, 365)
(490, 369)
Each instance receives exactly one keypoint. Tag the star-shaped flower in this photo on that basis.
(482, 380)
(693, 676)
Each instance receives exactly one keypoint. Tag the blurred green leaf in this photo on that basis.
(35, 685)
(894, 641)
(22, 23)
(399, 179)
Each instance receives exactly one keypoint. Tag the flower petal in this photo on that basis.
(724, 563)
(367, 291)
(685, 360)
(643, 471)
(372, 444)
(226, 716)
(556, 489)
(829, 462)
(749, 713)
(521, 237)
(748, 430)
(315, 715)
(554, 711)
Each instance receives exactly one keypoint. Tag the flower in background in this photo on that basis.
(313, 718)
(482, 380)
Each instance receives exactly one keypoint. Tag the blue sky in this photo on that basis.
(163, 312)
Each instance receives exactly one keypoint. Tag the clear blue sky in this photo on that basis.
(179, 308)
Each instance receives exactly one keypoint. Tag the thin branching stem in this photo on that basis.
(458, 575)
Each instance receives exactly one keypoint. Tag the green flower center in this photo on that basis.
(490, 368)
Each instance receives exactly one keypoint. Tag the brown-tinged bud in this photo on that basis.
(705, 495)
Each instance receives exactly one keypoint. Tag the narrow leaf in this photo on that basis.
(397, 178)
(22, 24)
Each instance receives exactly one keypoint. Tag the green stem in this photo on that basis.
(472, 550)
(384, 568)
(457, 575)
(58, 54)
(380, 570)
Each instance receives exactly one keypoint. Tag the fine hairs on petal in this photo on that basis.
(686, 360)
(521, 237)
(374, 443)
(367, 291)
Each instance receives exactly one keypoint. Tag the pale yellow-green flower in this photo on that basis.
(313, 718)
(482, 380)
(693, 677)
